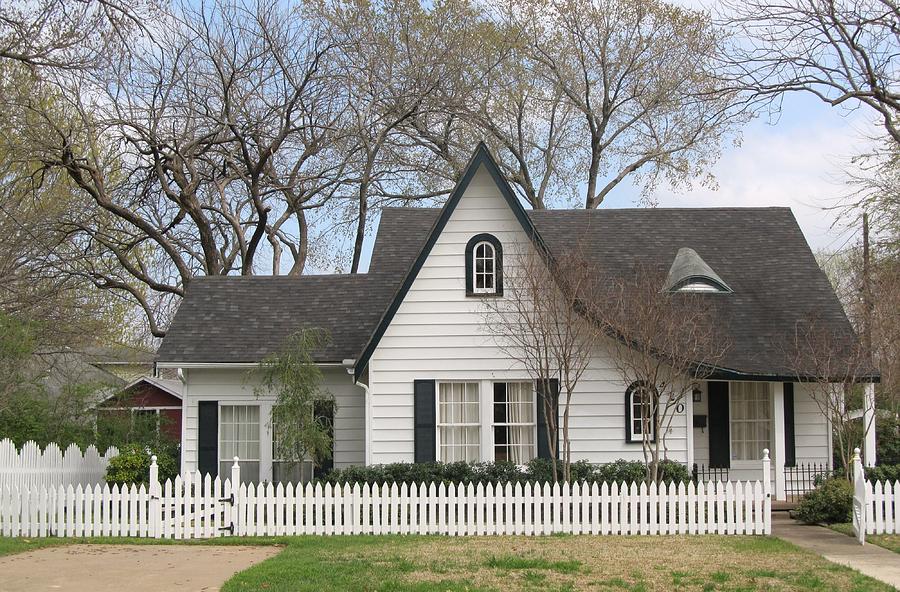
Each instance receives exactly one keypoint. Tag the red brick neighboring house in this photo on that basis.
(149, 395)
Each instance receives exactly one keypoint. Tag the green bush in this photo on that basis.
(887, 435)
(132, 465)
(883, 473)
(537, 470)
(830, 503)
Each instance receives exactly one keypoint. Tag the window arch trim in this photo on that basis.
(498, 265)
(633, 388)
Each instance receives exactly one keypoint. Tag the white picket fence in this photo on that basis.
(51, 467)
(195, 506)
(876, 506)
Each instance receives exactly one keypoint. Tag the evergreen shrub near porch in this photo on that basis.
(536, 471)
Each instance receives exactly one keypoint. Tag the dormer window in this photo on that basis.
(484, 266)
(690, 273)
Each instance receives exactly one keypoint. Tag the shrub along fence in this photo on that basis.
(31, 467)
(195, 506)
(876, 506)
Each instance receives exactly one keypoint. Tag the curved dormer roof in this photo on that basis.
(690, 273)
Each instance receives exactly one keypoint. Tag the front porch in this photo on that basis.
(734, 421)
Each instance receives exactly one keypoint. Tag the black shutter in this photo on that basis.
(790, 446)
(424, 419)
(543, 444)
(208, 437)
(719, 428)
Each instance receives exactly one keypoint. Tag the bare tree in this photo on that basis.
(833, 364)
(602, 92)
(843, 52)
(394, 63)
(539, 323)
(68, 34)
(660, 343)
(191, 154)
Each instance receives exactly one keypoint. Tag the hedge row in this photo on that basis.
(538, 470)
(883, 473)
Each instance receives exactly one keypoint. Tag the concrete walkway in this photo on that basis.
(872, 560)
(136, 568)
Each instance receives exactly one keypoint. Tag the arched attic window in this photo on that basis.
(690, 273)
(484, 266)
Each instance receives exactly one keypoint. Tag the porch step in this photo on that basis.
(779, 506)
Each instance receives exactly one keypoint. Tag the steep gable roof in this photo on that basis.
(481, 158)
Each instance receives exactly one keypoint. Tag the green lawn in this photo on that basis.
(9, 546)
(413, 564)
(888, 541)
(559, 563)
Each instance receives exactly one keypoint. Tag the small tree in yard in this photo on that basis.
(660, 342)
(833, 364)
(539, 324)
(295, 379)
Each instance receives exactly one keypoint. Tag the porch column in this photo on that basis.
(869, 424)
(778, 440)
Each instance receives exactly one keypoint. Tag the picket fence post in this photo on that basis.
(767, 492)
(155, 494)
(860, 501)
(237, 500)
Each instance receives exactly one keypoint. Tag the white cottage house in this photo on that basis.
(416, 378)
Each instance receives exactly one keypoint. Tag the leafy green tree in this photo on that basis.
(300, 433)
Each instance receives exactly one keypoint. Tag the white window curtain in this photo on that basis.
(750, 407)
(239, 436)
(459, 422)
(514, 422)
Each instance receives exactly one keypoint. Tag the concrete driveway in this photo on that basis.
(133, 568)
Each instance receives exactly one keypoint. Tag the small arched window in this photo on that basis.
(484, 266)
(640, 412)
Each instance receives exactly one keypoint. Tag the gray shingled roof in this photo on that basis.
(759, 252)
(238, 319)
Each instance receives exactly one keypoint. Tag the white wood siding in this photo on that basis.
(231, 387)
(437, 334)
(810, 427)
(810, 433)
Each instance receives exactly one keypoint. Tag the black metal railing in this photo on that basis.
(803, 478)
(702, 473)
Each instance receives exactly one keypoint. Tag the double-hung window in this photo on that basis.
(750, 407)
(239, 436)
(514, 422)
(485, 265)
(640, 413)
(459, 422)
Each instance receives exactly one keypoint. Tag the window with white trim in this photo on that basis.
(640, 409)
(239, 436)
(459, 422)
(750, 411)
(514, 422)
(484, 266)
